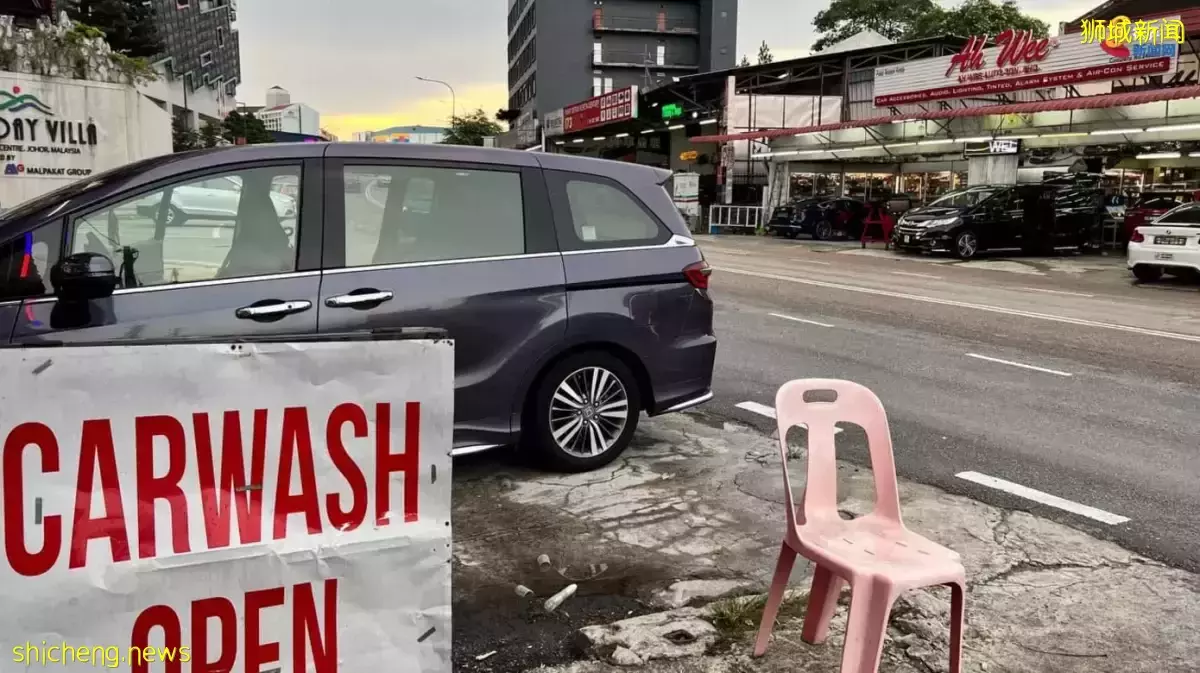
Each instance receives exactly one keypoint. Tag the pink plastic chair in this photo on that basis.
(875, 554)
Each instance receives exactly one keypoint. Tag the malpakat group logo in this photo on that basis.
(15, 101)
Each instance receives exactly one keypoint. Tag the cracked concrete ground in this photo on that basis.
(697, 498)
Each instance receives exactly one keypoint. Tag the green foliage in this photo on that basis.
(764, 54)
(976, 17)
(246, 126)
(471, 129)
(912, 19)
(210, 134)
(745, 62)
(127, 25)
(508, 116)
(183, 138)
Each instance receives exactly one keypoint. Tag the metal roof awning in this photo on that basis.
(1082, 103)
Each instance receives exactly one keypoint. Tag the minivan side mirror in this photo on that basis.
(84, 276)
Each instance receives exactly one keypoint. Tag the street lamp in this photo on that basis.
(453, 104)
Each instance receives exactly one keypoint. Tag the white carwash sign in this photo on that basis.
(247, 508)
(1020, 62)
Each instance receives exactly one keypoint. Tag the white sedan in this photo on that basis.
(213, 199)
(1168, 244)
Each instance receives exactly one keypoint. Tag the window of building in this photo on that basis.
(221, 37)
(597, 53)
(182, 4)
(206, 58)
(406, 214)
(597, 86)
(608, 84)
(25, 263)
(661, 57)
(603, 214)
(232, 225)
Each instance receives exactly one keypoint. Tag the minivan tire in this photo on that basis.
(572, 455)
(823, 231)
(962, 249)
(1146, 273)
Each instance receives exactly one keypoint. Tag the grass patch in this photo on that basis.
(735, 617)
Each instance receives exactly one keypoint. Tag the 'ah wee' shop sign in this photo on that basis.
(271, 507)
(1019, 62)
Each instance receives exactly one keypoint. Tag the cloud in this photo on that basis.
(432, 110)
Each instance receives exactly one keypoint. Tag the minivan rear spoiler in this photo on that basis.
(663, 175)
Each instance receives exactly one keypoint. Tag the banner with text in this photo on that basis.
(245, 507)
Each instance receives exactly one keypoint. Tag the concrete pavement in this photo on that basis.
(701, 498)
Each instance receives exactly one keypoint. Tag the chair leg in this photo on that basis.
(957, 624)
(822, 603)
(783, 571)
(870, 607)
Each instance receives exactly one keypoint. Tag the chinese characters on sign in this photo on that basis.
(1143, 38)
(612, 107)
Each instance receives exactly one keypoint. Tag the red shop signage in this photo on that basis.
(1017, 47)
(617, 106)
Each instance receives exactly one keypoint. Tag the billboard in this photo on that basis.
(617, 106)
(1019, 62)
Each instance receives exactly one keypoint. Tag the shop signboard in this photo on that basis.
(1019, 62)
(992, 147)
(552, 124)
(687, 193)
(618, 106)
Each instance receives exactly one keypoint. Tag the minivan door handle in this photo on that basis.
(360, 298)
(273, 310)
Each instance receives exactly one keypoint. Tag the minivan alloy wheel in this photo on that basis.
(588, 412)
(966, 244)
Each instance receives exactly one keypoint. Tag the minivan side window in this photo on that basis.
(603, 215)
(25, 262)
(231, 225)
(410, 214)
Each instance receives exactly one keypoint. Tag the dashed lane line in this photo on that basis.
(795, 319)
(1062, 292)
(915, 275)
(764, 410)
(1019, 364)
(1043, 498)
(1193, 338)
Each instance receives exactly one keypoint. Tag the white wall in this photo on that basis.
(128, 127)
(208, 101)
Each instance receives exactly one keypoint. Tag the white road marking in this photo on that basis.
(962, 304)
(764, 410)
(1018, 364)
(807, 322)
(1043, 498)
(1071, 294)
(809, 261)
(728, 252)
(915, 275)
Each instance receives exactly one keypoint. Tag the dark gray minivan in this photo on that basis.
(572, 290)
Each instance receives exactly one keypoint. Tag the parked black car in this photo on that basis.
(1029, 218)
(575, 295)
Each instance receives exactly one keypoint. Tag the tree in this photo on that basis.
(471, 129)
(912, 19)
(128, 25)
(210, 134)
(246, 126)
(764, 54)
(508, 116)
(976, 17)
(183, 138)
(890, 18)
(745, 62)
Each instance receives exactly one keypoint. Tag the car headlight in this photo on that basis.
(944, 222)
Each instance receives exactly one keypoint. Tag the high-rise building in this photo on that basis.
(563, 51)
(201, 56)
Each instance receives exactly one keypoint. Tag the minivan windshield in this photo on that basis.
(966, 198)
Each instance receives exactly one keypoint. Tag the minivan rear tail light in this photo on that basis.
(1137, 236)
(697, 274)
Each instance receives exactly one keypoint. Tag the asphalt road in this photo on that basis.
(1054, 374)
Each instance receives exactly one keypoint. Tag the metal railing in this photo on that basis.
(645, 24)
(734, 219)
(640, 59)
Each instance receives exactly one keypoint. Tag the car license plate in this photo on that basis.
(1170, 240)
(908, 239)
(1164, 255)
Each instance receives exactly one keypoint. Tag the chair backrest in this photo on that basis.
(854, 404)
